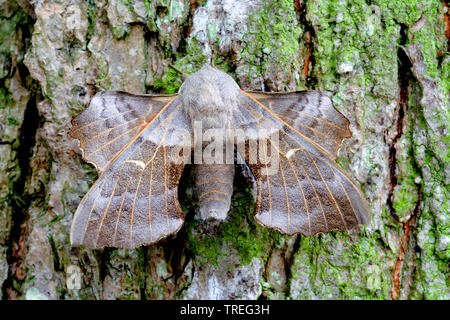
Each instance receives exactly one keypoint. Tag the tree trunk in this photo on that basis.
(387, 66)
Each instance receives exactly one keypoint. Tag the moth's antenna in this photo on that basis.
(185, 75)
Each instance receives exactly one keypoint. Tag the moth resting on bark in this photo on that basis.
(141, 143)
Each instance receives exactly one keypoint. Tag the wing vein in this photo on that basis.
(99, 120)
(120, 211)
(346, 195)
(170, 115)
(286, 193)
(110, 129)
(143, 129)
(315, 192)
(306, 173)
(109, 172)
(318, 147)
(105, 213)
(320, 119)
(303, 193)
(150, 203)
(328, 189)
(310, 128)
(165, 184)
(134, 202)
(92, 209)
(109, 142)
(300, 186)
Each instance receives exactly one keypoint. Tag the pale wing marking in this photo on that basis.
(143, 129)
(120, 172)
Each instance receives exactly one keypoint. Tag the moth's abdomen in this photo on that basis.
(214, 185)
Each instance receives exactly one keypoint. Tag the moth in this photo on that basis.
(140, 144)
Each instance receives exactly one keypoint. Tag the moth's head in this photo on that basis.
(209, 95)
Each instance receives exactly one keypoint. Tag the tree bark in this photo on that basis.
(387, 66)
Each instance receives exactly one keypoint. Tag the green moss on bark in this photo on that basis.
(189, 62)
(246, 239)
(272, 44)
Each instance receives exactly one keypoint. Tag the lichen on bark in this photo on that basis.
(386, 64)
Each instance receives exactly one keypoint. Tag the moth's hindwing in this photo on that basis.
(304, 191)
(134, 202)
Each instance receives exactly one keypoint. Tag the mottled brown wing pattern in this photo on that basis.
(111, 121)
(312, 114)
(309, 194)
(134, 202)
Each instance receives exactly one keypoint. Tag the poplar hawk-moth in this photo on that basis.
(140, 144)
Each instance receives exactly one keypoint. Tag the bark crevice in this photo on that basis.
(404, 74)
(20, 200)
(404, 78)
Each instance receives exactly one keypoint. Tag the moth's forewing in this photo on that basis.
(310, 113)
(134, 202)
(308, 193)
(111, 121)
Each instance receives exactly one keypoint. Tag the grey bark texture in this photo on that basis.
(387, 66)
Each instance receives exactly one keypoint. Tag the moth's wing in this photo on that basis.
(310, 113)
(111, 121)
(302, 190)
(134, 202)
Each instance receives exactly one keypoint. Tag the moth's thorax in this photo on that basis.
(209, 96)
